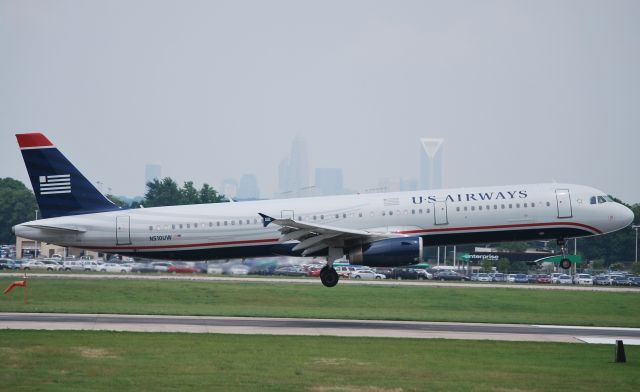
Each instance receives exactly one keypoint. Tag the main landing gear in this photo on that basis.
(565, 263)
(329, 276)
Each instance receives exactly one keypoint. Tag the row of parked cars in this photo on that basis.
(345, 271)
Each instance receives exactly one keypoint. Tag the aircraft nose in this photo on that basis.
(627, 216)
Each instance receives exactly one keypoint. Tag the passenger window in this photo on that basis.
(502, 206)
(465, 208)
(533, 205)
(384, 213)
(225, 223)
(495, 206)
(390, 212)
(344, 216)
(337, 216)
(195, 225)
(517, 205)
(248, 222)
(458, 209)
(181, 225)
(480, 208)
(188, 225)
(218, 223)
(525, 205)
(473, 208)
(239, 221)
(150, 227)
(548, 204)
(413, 212)
(173, 227)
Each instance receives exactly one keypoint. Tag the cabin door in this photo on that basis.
(564, 203)
(287, 214)
(440, 213)
(123, 230)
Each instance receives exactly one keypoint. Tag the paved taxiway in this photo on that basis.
(316, 281)
(317, 327)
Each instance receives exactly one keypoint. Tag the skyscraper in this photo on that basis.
(248, 187)
(293, 171)
(431, 163)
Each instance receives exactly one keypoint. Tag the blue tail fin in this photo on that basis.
(60, 188)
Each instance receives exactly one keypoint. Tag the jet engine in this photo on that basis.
(391, 252)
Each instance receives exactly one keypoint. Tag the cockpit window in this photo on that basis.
(600, 199)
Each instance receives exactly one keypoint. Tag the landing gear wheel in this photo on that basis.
(328, 276)
(565, 263)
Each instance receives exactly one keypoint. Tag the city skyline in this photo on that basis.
(210, 91)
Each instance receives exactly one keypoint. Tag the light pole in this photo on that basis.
(636, 227)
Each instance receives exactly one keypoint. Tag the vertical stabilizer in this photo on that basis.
(59, 187)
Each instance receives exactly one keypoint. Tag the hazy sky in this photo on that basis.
(521, 91)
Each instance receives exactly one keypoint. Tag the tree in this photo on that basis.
(117, 201)
(189, 194)
(209, 195)
(486, 265)
(504, 265)
(17, 205)
(166, 192)
(162, 193)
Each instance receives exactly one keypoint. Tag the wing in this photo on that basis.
(314, 238)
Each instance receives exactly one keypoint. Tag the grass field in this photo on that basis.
(500, 305)
(100, 361)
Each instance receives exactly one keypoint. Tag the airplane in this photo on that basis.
(382, 229)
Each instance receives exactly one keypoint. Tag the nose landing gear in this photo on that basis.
(565, 263)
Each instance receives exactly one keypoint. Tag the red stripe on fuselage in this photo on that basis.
(31, 140)
(520, 225)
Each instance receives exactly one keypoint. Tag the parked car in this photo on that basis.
(555, 276)
(238, 269)
(8, 264)
(161, 266)
(482, 277)
(498, 277)
(634, 280)
(36, 265)
(619, 280)
(542, 278)
(181, 269)
(366, 274)
(425, 274)
(583, 279)
(215, 269)
(142, 267)
(564, 279)
(511, 278)
(406, 273)
(344, 271)
(601, 280)
(113, 267)
(450, 275)
(521, 278)
(290, 271)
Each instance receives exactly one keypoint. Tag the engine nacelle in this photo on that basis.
(391, 252)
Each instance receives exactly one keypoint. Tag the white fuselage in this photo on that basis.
(445, 216)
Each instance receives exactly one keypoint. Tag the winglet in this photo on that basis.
(266, 219)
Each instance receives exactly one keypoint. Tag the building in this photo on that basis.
(431, 163)
(329, 181)
(248, 187)
(293, 171)
(230, 188)
(27, 248)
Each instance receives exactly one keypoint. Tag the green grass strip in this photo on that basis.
(119, 361)
(500, 305)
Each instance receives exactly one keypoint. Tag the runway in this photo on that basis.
(317, 327)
